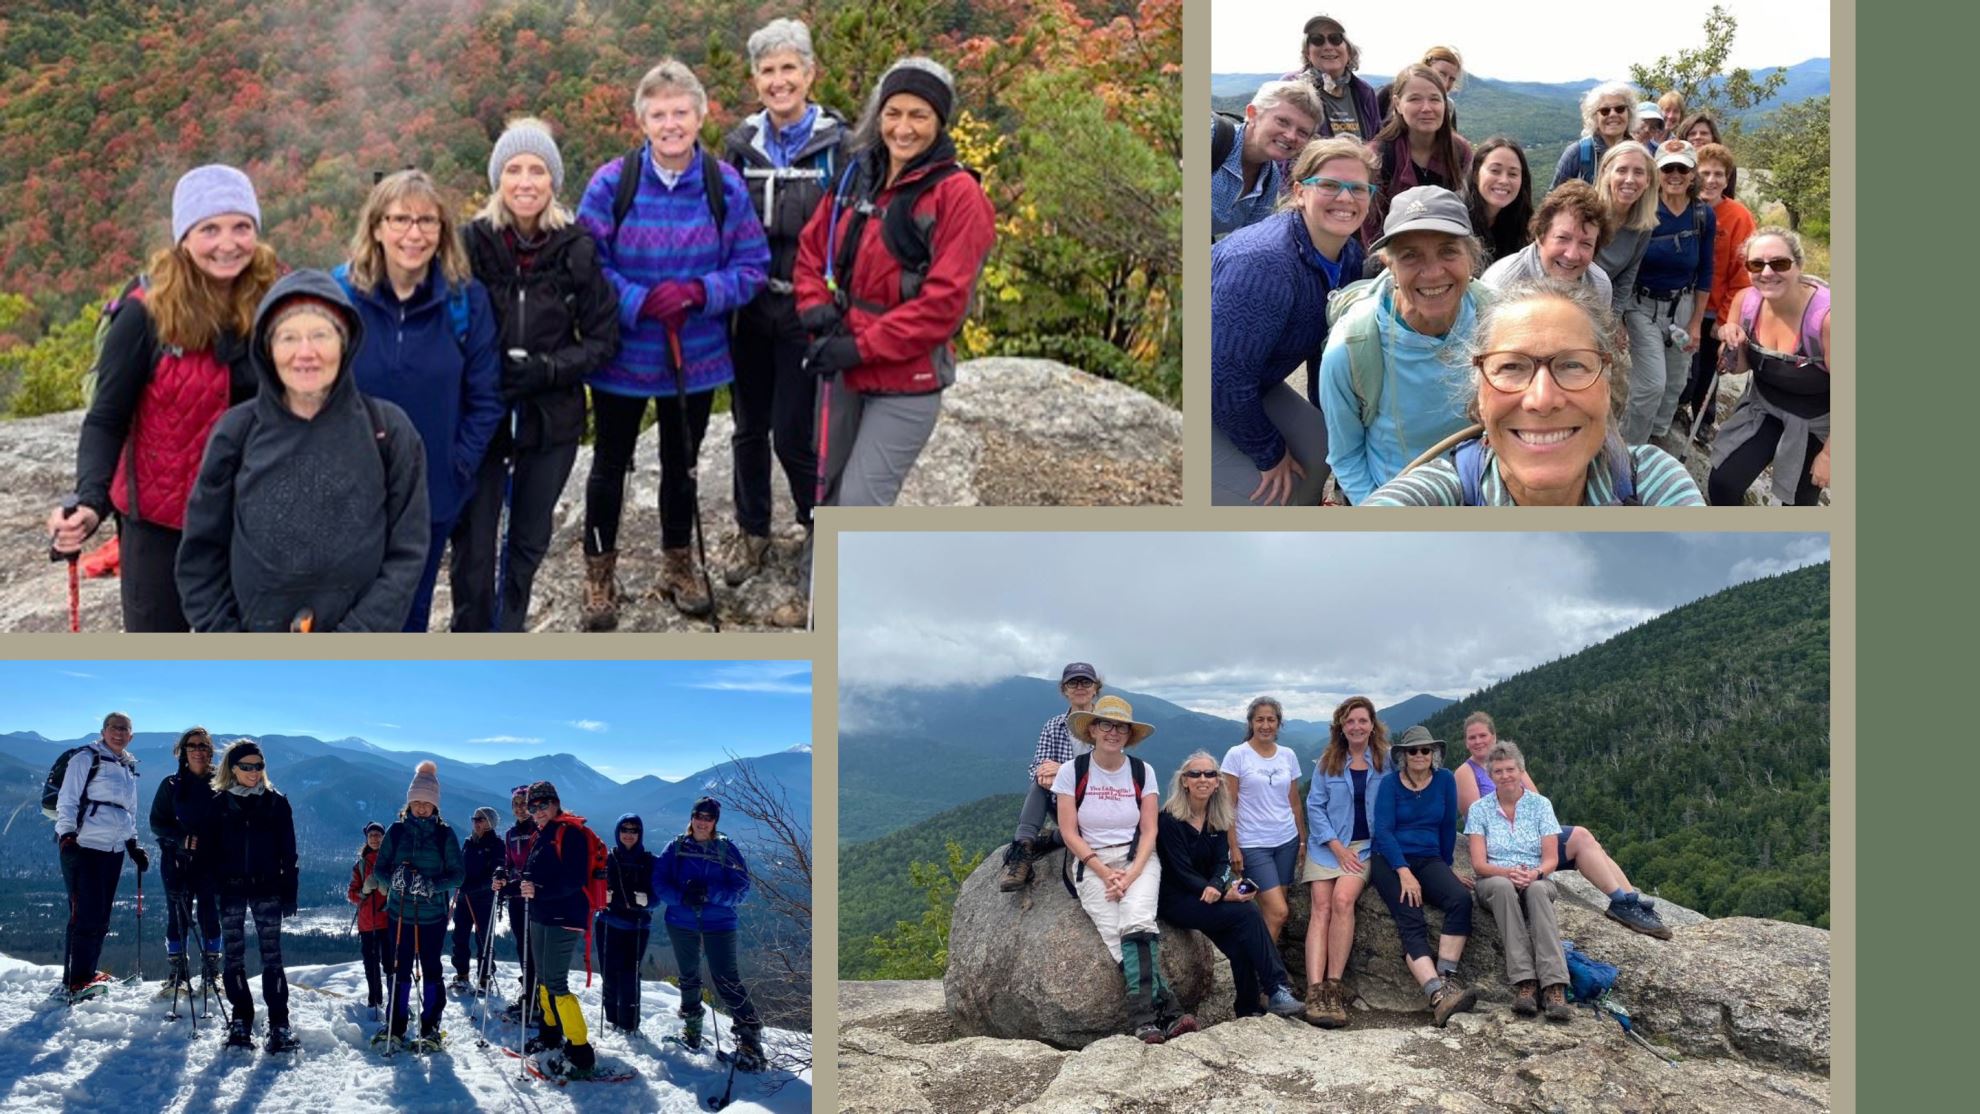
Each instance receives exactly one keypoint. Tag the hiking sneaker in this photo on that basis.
(1017, 867)
(742, 556)
(1451, 998)
(680, 582)
(600, 611)
(1283, 1004)
(281, 1038)
(691, 1033)
(1636, 912)
(1526, 998)
(1555, 999)
(1150, 1034)
(1184, 1024)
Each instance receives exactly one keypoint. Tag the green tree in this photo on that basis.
(1700, 75)
(48, 374)
(919, 949)
(1793, 145)
(858, 43)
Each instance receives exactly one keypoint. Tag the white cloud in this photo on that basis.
(73, 673)
(1798, 552)
(790, 678)
(507, 740)
(593, 725)
(391, 726)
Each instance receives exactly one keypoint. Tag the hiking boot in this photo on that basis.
(749, 1050)
(1526, 998)
(1149, 1034)
(1635, 912)
(180, 971)
(1017, 867)
(240, 1033)
(1283, 1004)
(1184, 1024)
(209, 969)
(691, 1032)
(680, 582)
(281, 1038)
(601, 591)
(1555, 999)
(549, 1040)
(1451, 998)
(1325, 1006)
(742, 557)
(460, 982)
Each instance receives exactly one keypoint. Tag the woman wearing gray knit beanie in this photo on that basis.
(557, 320)
(174, 358)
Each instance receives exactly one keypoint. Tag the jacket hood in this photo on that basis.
(632, 818)
(307, 283)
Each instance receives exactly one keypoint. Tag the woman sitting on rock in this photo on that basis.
(1515, 849)
(1340, 820)
(1200, 891)
(1106, 804)
(1415, 835)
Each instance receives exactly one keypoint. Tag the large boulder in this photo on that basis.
(1031, 965)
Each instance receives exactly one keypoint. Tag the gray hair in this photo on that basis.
(1217, 812)
(670, 76)
(867, 135)
(127, 719)
(1601, 319)
(1608, 90)
(781, 34)
(1296, 94)
(1503, 751)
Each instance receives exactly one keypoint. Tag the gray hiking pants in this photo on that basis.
(1658, 369)
(1533, 937)
(1234, 476)
(871, 443)
(1037, 806)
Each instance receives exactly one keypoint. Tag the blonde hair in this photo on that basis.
(496, 211)
(1643, 215)
(368, 255)
(1217, 812)
(1481, 717)
(189, 309)
(1322, 151)
(223, 770)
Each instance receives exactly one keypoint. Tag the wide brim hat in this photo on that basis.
(1109, 708)
(1416, 736)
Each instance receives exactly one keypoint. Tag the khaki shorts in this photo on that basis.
(1320, 872)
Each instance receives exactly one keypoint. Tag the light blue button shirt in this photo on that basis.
(1516, 843)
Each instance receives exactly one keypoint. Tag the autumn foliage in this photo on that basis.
(1070, 108)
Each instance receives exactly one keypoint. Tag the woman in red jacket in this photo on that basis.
(371, 917)
(174, 359)
(885, 272)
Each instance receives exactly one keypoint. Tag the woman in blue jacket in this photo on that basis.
(428, 345)
(1415, 836)
(1340, 823)
(558, 915)
(701, 878)
(625, 925)
(419, 864)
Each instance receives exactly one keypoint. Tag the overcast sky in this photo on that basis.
(1544, 41)
(1209, 620)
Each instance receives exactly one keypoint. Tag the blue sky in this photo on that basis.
(623, 718)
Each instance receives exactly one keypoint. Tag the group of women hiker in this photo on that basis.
(1221, 851)
(297, 451)
(1500, 352)
(227, 848)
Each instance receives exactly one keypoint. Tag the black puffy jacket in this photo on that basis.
(563, 310)
(797, 198)
(480, 855)
(248, 846)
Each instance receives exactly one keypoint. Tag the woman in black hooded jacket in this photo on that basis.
(310, 511)
(248, 849)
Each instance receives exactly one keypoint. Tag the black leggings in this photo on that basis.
(775, 400)
(267, 914)
(619, 953)
(146, 582)
(617, 419)
(1239, 932)
(480, 558)
(1441, 888)
(376, 947)
(1729, 481)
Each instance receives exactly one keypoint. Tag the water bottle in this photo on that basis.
(1679, 336)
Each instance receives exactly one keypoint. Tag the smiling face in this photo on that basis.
(1567, 246)
(1328, 57)
(1265, 724)
(1700, 134)
(117, 733)
(1276, 134)
(1498, 179)
(1629, 176)
(672, 125)
(908, 125)
(1421, 106)
(702, 827)
(422, 809)
(1357, 728)
(1340, 215)
(1770, 283)
(1478, 740)
(199, 756)
(409, 232)
(1200, 788)
(526, 188)
(1505, 774)
(373, 838)
(1079, 693)
(1109, 736)
(1430, 270)
(1712, 177)
(628, 837)
(1449, 71)
(520, 808)
(223, 246)
(1648, 131)
(248, 771)
(1544, 435)
(306, 350)
(1674, 183)
(783, 84)
(1612, 119)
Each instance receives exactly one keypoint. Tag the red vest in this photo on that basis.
(186, 395)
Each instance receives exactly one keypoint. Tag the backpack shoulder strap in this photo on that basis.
(1622, 475)
(1353, 308)
(1749, 309)
(1587, 158)
(711, 184)
(908, 240)
(1223, 138)
(342, 273)
(1081, 766)
(628, 188)
(378, 437)
(1469, 460)
(1140, 769)
(1812, 319)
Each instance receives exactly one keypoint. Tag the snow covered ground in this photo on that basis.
(119, 1055)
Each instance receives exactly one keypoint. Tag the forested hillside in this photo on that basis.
(1069, 107)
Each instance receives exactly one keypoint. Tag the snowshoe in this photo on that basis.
(544, 1043)
(748, 1053)
(386, 1042)
(239, 1035)
(430, 1042)
(460, 985)
(281, 1038)
(512, 1013)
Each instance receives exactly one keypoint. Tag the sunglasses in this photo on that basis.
(1326, 38)
(1612, 110)
(702, 816)
(1082, 683)
(542, 806)
(1675, 169)
(190, 747)
(250, 767)
(1419, 750)
(1779, 266)
(1199, 773)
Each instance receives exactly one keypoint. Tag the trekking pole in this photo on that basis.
(529, 994)
(688, 446)
(502, 523)
(715, 1019)
(70, 504)
(605, 983)
(140, 934)
(1706, 405)
(398, 973)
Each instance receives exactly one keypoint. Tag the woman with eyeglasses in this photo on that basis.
(1415, 835)
(1717, 174)
(1269, 284)
(1549, 397)
(1607, 113)
(1340, 820)
(1201, 891)
(625, 925)
(1268, 839)
(1672, 287)
(1418, 145)
(428, 345)
(248, 848)
(1780, 332)
(1329, 59)
(1107, 806)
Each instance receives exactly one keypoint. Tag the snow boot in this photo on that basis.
(209, 972)
(680, 582)
(240, 1034)
(281, 1038)
(691, 1032)
(430, 1040)
(601, 591)
(460, 984)
(749, 1048)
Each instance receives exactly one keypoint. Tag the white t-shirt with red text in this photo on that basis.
(1110, 814)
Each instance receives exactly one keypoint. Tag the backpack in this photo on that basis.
(1083, 765)
(136, 289)
(1352, 309)
(597, 860)
(1588, 979)
(1223, 136)
(51, 789)
(711, 186)
(1587, 172)
(1812, 317)
(457, 302)
(908, 238)
(1469, 460)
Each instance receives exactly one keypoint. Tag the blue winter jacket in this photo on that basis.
(558, 868)
(628, 873)
(1330, 813)
(718, 865)
(450, 388)
(430, 847)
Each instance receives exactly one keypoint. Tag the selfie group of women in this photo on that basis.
(296, 449)
(1470, 339)
(1222, 849)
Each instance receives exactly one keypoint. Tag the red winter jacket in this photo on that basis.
(904, 348)
(371, 906)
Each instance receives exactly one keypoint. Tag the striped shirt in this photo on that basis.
(1660, 482)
